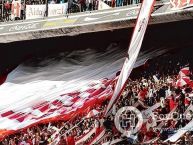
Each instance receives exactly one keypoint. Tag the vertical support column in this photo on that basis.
(24, 9)
(46, 14)
(2, 10)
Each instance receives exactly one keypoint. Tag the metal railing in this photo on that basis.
(74, 6)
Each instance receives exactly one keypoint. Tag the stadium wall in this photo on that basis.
(75, 24)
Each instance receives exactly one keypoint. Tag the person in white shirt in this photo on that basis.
(97, 123)
(114, 110)
(24, 142)
(150, 95)
(89, 5)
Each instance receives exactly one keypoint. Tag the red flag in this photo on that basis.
(183, 81)
(2, 79)
(191, 84)
(184, 72)
(92, 113)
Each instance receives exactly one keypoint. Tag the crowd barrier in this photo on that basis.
(18, 10)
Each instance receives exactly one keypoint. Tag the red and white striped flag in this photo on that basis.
(92, 113)
(180, 4)
(184, 72)
(134, 48)
(65, 106)
(183, 81)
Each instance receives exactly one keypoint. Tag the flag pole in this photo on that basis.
(46, 14)
(2, 12)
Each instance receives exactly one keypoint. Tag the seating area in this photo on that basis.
(161, 91)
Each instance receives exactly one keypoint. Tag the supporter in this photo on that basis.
(74, 6)
(107, 123)
(189, 116)
(7, 10)
(24, 142)
(134, 1)
(95, 4)
(151, 123)
(181, 101)
(150, 96)
(22, 11)
(119, 3)
(82, 5)
(70, 3)
(70, 139)
(109, 2)
(89, 4)
(188, 138)
(172, 103)
(29, 141)
(142, 92)
(150, 134)
(187, 100)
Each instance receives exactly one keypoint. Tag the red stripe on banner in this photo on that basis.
(73, 94)
(39, 105)
(91, 90)
(48, 108)
(75, 99)
(15, 116)
(2, 79)
(44, 108)
(101, 89)
(22, 118)
(52, 110)
(57, 103)
(7, 113)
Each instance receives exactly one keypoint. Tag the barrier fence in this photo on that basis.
(33, 9)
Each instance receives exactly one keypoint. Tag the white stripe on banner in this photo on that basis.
(133, 51)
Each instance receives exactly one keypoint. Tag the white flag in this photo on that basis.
(102, 5)
(133, 51)
(155, 79)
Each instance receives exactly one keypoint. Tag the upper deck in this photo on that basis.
(87, 22)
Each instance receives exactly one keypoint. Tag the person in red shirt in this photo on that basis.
(172, 103)
(142, 93)
(70, 140)
(7, 5)
(29, 140)
(187, 100)
(150, 134)
(7, 10)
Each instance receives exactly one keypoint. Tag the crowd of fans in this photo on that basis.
(73, 6)
(89, 5)
(142, 91)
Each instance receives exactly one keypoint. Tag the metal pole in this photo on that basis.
(46, 8)
(24, 9)
(2, 10)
